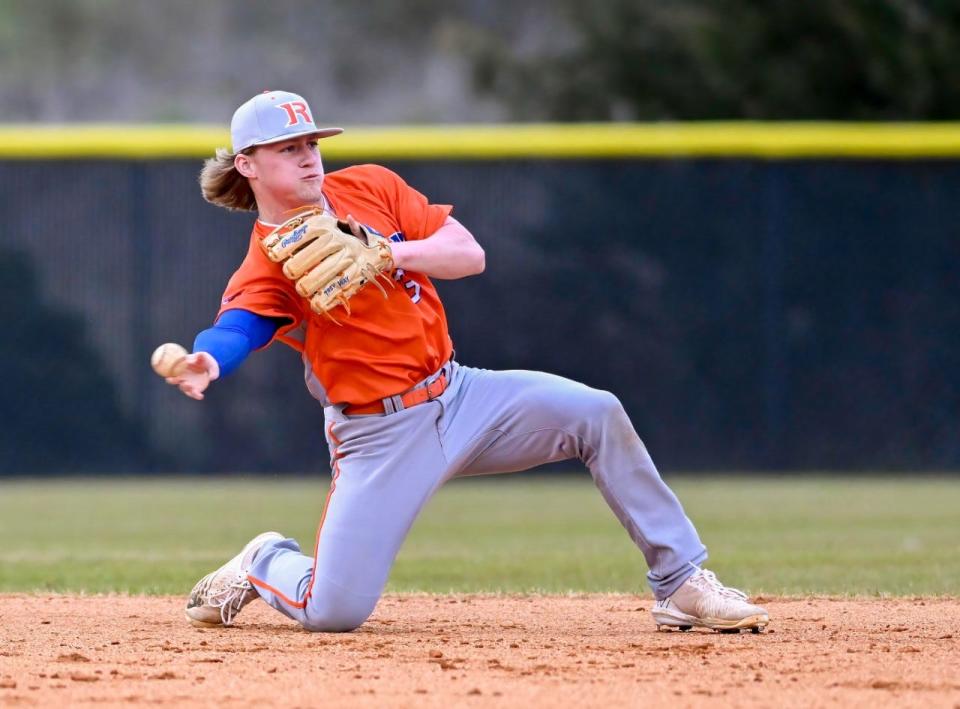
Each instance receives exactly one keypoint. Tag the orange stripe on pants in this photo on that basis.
(316, 550)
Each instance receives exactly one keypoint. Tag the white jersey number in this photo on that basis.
(411, 285)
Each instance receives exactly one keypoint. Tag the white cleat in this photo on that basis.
(221, 594)
(704, 602)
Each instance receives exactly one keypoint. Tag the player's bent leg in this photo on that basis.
(375, 495)
(531, 418)
(644, 504)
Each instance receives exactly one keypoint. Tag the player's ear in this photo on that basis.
(244, 165)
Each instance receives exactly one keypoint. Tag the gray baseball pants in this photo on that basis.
(386, 467)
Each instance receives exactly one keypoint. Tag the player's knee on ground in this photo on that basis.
(336, 610)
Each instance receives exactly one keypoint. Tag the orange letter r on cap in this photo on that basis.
(295, 111)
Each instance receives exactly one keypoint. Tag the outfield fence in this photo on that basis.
(760, 296)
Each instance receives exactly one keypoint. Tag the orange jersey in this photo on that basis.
(385, 346)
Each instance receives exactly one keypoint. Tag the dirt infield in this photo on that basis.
(438, 651)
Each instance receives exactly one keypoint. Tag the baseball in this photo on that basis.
(165, 358)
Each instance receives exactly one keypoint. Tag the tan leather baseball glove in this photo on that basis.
(329, 260)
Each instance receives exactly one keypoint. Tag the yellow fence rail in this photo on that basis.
(517, 141)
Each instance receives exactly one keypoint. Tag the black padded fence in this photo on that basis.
(751, 315)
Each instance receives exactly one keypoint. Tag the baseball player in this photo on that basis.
(339, 268)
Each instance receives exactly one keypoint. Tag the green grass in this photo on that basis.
(824, 535)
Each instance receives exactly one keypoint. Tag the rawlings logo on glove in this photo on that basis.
(329, 260)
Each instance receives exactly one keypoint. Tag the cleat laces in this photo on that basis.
(706, 580)
(229, 599)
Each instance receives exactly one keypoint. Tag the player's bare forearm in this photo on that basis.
(450, 252)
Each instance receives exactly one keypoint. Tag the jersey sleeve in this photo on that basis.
(260, 287)
(418, 218)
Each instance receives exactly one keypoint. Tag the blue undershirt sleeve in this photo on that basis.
(234, 336)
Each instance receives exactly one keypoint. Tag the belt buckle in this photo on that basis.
(430, 395)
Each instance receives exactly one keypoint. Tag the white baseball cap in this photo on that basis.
(271, 117)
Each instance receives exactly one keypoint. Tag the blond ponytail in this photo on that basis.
(223, 186)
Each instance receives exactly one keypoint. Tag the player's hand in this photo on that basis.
(194, 374)
(356, 229)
